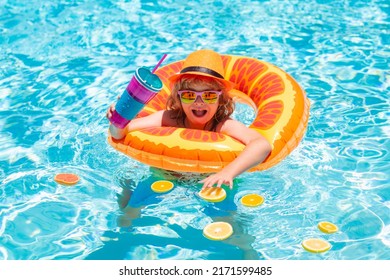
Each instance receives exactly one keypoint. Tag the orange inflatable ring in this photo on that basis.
(282, 112)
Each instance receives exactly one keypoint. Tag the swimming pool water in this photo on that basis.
(63, 62)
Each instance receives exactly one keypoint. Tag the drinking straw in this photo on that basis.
(158, 64)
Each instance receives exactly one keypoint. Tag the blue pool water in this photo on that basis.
(63, 62)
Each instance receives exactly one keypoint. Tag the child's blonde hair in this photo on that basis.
(225, 106)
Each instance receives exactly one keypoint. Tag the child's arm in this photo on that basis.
(256, 150)
(152, 120)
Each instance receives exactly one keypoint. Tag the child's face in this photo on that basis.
(199, 113)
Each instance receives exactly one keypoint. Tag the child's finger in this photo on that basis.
(206, 187)
(219, 183)
(207, 184)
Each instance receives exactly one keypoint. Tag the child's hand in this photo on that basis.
(110, 110)
(218, 179)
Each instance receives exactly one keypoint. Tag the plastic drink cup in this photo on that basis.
(142, 88)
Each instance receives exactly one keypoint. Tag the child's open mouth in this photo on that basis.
(199, 113)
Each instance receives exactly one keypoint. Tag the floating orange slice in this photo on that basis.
(66, 178)
(327, 227)
(218, 231)
(252, 200)
(315, 245)
(213, 194)
(162, 186)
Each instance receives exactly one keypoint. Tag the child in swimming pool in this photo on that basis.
(200, 100)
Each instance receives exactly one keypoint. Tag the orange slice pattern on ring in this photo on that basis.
(198, 135)
(159, 131)
(268, 115)
(245, 71)
(169, 70)
(268, 86)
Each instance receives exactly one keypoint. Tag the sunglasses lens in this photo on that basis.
(210, 96)
(188, 96)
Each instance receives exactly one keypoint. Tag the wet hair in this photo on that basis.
(225, 105)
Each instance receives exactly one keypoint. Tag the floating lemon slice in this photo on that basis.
(315, 245)
(218, 231)
(66, 178)
(252, 200)
(162, 186)
(327, 227)
(213, 194)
